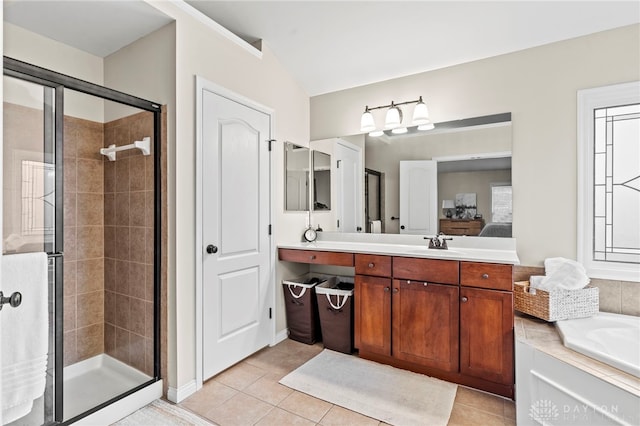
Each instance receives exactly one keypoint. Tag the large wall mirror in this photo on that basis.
(469, 169)
(296, 161)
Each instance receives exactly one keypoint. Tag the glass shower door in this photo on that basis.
(29, 226)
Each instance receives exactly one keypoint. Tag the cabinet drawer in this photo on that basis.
(370, 264)
(318, 257)
(430, 270)
(486, 275)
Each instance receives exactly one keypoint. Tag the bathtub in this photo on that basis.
(611, 338)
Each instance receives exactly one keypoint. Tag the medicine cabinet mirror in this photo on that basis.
(296, 163)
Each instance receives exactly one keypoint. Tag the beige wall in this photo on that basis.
(479, 183)
(33, 48)
(538, 86)
(263, 80)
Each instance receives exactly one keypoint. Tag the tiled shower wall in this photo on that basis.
(128, 237)
(108, 242)
(83, 240)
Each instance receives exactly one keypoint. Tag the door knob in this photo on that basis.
(14, 300)
(401, 226)
(211, 249)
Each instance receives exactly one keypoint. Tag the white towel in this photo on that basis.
(376, 226)
(24, 333)
(561, 273)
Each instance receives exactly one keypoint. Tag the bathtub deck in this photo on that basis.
(543, 336)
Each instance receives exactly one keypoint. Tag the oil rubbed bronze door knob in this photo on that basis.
(14, 300)
(211, 249)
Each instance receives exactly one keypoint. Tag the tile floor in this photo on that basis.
(249, 394)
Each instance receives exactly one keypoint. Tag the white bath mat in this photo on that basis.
(162, 413)
(385, 393)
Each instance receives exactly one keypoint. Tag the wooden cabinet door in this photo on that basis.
(486, 334)
(425, 324)
(373, 314)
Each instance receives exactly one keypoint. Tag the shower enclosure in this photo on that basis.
(81, 172)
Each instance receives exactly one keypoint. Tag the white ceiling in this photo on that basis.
(334, 45)
(99, 27)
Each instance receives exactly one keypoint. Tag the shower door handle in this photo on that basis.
(14, 300)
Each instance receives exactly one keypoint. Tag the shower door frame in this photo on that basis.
(58, 82)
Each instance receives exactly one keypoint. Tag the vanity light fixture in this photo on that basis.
(421, 113)
(367, 124)
(394, 117)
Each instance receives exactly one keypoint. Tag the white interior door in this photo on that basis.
(235, 231)
(348, 180)
(419, 197)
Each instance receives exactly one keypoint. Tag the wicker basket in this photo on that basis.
(557, 304)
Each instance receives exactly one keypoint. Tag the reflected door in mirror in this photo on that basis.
(418, 197)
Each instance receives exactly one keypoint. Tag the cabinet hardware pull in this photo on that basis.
(408, 281)
(395, 290)
(464, 299)
(312, 257)
(386, 289)
(485, 276)
(426, 283)
(371, 265)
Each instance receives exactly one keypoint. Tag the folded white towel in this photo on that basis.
(535, 281)
(24, 333)
(561, 273)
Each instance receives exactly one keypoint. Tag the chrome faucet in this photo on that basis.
(439, 241)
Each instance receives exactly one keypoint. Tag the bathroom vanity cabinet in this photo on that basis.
(449, 319)
(486, 318)
(416, 304)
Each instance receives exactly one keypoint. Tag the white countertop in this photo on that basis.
(474, 249)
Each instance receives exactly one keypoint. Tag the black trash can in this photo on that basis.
(335, 305)
(301, 309)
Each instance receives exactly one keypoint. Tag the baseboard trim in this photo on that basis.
(279, 337)
(177, 395)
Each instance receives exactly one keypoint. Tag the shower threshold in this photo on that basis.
(96, 380)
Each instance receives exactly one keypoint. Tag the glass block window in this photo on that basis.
(616, 184)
